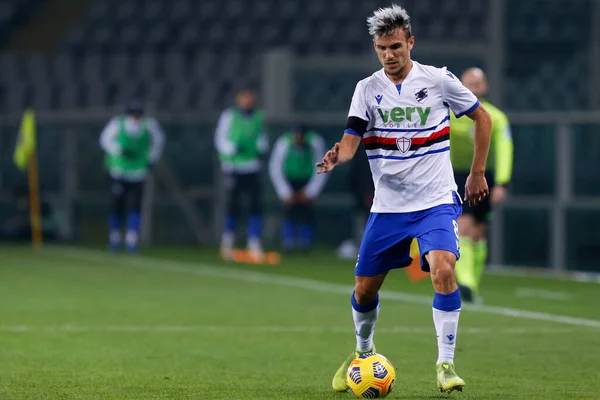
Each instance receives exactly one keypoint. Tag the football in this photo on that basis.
(371, 376)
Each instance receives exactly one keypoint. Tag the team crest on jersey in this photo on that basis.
(421, 95)
(403, 144)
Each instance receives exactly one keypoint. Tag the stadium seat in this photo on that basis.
(213, 42)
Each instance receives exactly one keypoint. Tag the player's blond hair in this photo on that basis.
(385, 21)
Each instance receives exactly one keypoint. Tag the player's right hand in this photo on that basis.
(330, 160)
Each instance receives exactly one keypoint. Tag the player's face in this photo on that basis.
(393, 51)
(246, 100)
(299, 139)
(475, 81)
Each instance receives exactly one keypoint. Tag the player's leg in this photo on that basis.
(473, 251)
(134, 191)
(292, 218)
(383, 247)
(117, 210)
(478, 235)
(288, 231)
(438, 241)
(446, 302)
(232, 211)
(253, 186)
(365, 311)
(446, 312)
(480, 249)
(465, 266)
(483, 216)
(306, 226)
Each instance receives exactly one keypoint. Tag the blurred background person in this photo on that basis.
(133, 145)
(294, 176)
(473, 223)
(241, 140)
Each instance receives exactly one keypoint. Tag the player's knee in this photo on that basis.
(443, 274)
(365, 292)
(118, 204)
(442, 268)
(255, 207)
(136, 205)
(255, 210)
(233, 206)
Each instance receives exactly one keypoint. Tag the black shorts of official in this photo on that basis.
(126, 196)
(240, 186)
(482, 212)
(300, 213)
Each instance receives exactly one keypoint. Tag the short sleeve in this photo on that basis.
(358, 107)
(460, 99)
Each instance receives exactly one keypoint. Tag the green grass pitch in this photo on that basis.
(178, 323)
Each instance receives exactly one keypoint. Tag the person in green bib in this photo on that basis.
(133, 144)
(293, 173)
(241, 141)
(473, 223)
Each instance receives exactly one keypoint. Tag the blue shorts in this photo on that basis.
(387, 238)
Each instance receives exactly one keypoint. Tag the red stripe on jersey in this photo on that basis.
(415, 140)
(379, 140)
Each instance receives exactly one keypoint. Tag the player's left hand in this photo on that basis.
(476, 189)
(498, 194)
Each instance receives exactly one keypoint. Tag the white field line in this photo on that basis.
(227, 272)
(544, 273)
(177, 329)
(542, 294)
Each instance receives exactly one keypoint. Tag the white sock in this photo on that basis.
(114, 237)
(446, 326)
(255, 244)
(227, 240)
(131, 238)
(364, 325)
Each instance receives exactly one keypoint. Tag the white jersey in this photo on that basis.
(408, 136)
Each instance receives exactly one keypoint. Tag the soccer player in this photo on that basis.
(297, 184)
(473, 223)
(240, 139)
(133, 144)
(401, 113)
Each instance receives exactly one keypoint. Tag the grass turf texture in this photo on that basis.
(178, 323)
